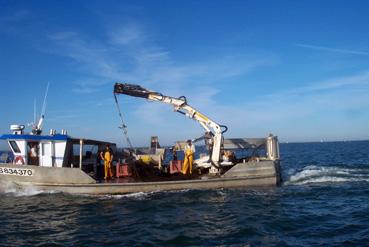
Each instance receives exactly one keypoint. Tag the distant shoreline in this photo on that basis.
(298, 142)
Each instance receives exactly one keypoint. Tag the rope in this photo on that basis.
(123, 127)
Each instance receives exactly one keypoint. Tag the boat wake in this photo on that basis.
(332, 174)
(15, 190)
(137, 195)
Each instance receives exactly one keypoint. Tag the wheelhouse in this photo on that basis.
(58, 150)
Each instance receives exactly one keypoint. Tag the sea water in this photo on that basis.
(323, 201)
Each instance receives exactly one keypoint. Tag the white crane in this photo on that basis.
(180, 105)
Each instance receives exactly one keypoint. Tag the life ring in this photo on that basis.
(19, 160)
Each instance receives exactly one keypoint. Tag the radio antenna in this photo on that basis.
(34, 111)
(37, 130)
(44, 103)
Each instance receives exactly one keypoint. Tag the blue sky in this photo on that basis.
(298, 69)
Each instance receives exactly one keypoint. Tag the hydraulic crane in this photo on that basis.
(180, 105)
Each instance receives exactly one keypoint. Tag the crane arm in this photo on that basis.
(180, 105)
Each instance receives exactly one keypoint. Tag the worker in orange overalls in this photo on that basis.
(189, 153)
(108, 158)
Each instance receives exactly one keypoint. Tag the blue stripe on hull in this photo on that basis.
(57, 137)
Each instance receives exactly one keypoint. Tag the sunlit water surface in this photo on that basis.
(324, 201)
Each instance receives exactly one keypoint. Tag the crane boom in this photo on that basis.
(180, 105)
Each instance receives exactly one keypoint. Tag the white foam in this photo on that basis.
(331, 174)
(137, 195)
(15, 190)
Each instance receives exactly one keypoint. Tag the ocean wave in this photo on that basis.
(18, 191)
(328, 174)
(136, 195)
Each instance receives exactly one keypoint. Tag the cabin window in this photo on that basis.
(14, 146)
(46, 149)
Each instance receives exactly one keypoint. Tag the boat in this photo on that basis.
(59, 162)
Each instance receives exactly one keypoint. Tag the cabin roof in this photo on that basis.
(56, 137)
(91, 142)
(243, 143)
(28, 137)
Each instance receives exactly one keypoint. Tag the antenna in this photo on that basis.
(37, 129)
(34, 111)
(44, 103)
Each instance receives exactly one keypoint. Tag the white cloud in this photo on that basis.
(16, 16)
(360, 79)
(129, 53)
(62, 36)
(128, 34)
(130, 56)
(84, 90)
(312, 111)
(335, 50)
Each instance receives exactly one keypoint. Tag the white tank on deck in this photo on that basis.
(272, 147)
(17, 129)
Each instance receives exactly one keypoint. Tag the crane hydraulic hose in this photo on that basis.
(123, 127)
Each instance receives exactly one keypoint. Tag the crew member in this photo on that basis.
(33, 155)
(208, 136)
(108, 158)
(99, 167)
(189, 153)
(174, 153)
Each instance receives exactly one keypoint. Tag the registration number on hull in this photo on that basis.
(16, 171)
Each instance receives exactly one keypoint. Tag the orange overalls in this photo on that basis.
(188, 160)
(107, 164)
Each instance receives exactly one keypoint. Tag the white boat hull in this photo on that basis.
(75, 181)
